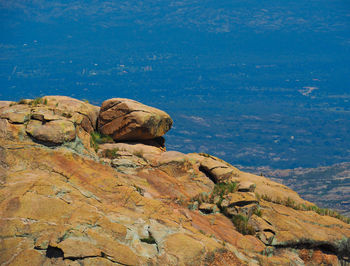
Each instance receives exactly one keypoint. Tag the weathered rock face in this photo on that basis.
(52, 120)
(57, 131)
(125, 119)
(79, 112)
(136, 204)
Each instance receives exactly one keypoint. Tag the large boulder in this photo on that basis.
(125, 119)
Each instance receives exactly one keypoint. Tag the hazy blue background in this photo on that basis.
(257, 83)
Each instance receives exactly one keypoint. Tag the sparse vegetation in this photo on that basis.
(201, 231)
(258, 212)
(202, 197)
(221, 189)
(34, 102)
(111, 154)
(242, 225)
(292, 204)
(98, 138)
(37, 101)
(210, 256)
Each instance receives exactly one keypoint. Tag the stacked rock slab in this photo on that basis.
(51, 120)
(125, 119)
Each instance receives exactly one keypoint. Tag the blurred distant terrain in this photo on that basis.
(259, 84)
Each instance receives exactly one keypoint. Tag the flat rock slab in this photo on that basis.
(239, 199)
(246, 186)
(5, 103)
(125, 119)
(56, 131)
(16, 114)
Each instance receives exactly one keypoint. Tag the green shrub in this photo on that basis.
(37, 101)
(290, 203)
(222, 189)
(241, 224)
(111, 154)
(258, 212)
(97, 138)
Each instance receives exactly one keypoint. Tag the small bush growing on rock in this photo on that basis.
(211, 256)
(97, 138)
(37, 101)
(241, 224)
(111, 154)
(222, 189)
(290, 203)
(202, 197)
(258, 212)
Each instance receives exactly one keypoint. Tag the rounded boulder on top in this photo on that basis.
(125, 119)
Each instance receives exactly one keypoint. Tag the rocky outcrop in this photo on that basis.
(50, 120)
(131, 203)
(79, 112)
(125, 119)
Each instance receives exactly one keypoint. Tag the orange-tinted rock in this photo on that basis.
(56, 131)
(246, 186)
(184, 248)
(125, 119)
(239, 199)
(5, 104)
(79, 112)
(320, 258)
(150, 153)
(218, 170)
(19, 113)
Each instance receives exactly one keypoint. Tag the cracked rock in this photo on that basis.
(125, 119)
